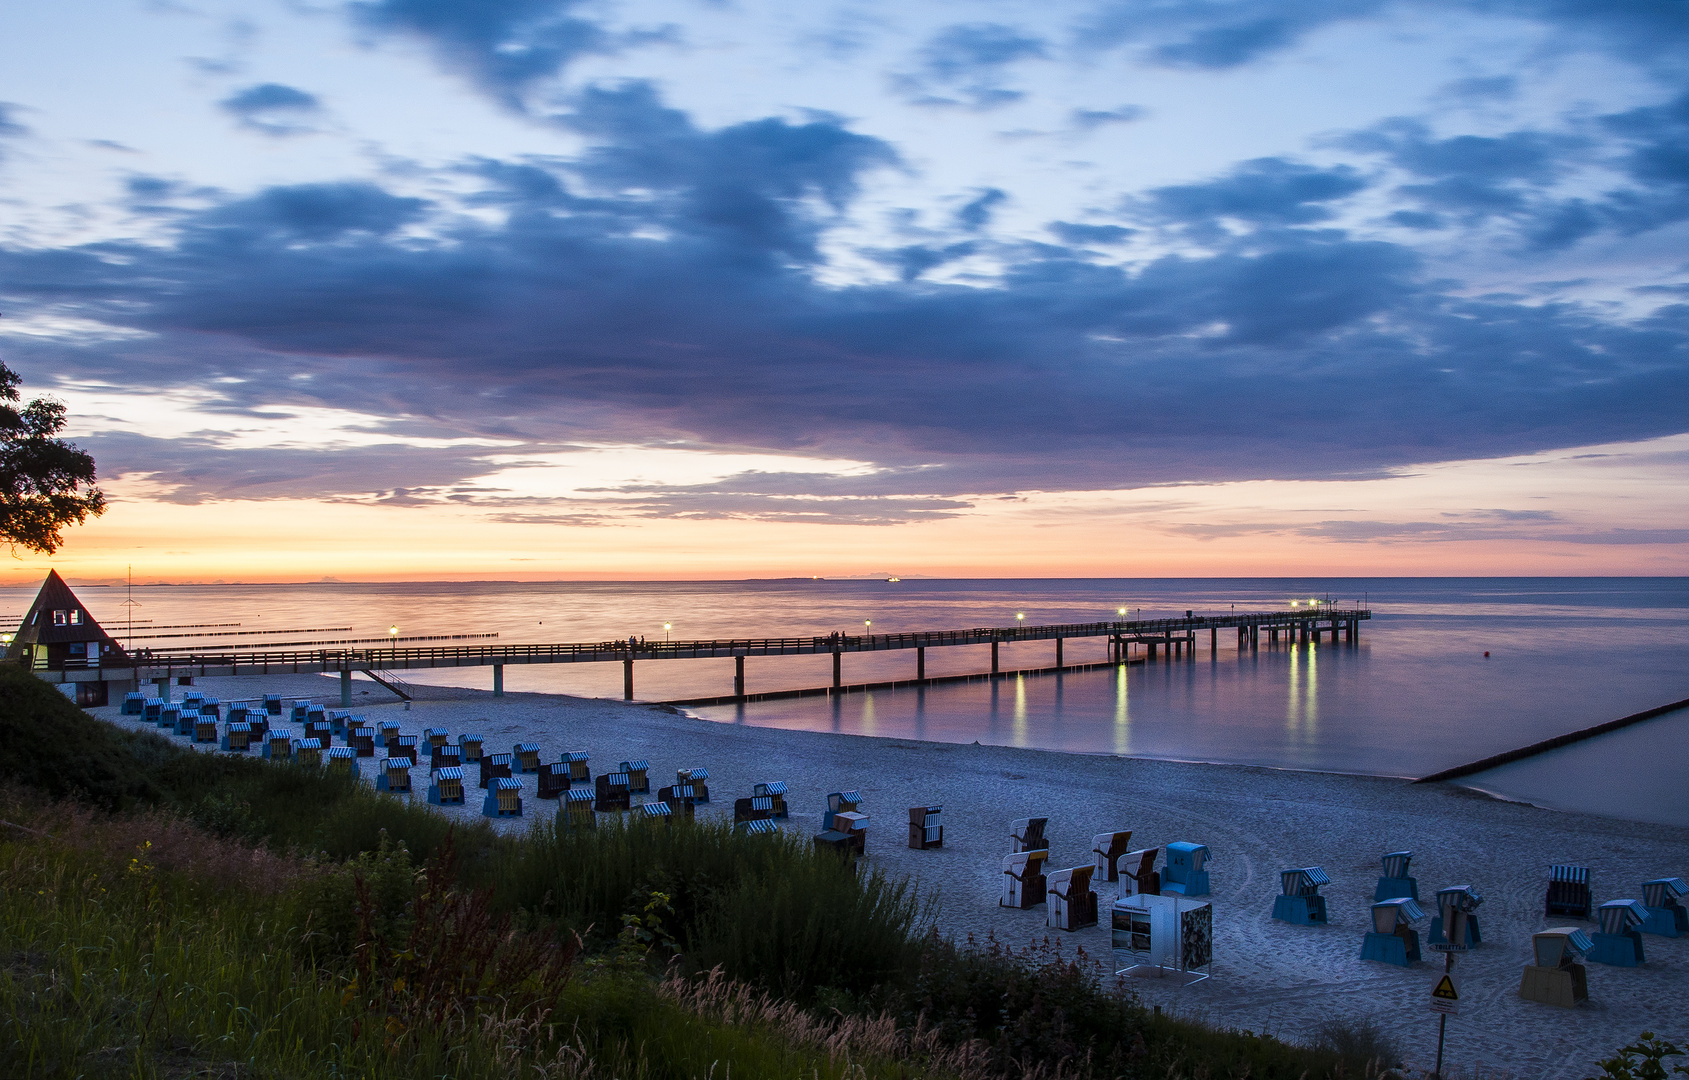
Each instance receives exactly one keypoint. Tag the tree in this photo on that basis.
(46, 483)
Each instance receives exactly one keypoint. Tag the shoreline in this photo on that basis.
(1268, 976)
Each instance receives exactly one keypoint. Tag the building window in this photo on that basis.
(75, 616)
(79, 648)
(60, 618)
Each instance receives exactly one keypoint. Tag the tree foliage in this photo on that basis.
(46, 483)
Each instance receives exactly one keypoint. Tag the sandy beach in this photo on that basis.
(1267, 976)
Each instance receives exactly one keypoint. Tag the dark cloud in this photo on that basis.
(272, 108)
(503, 46)
(1089, 119)
(662, 287)
(1482, 88)
(976, 213)
(1080, 235)
(10, 128)
(966, 63)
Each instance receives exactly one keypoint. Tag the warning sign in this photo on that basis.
(1445, 996)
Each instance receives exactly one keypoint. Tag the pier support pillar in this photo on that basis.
(920, 663)
(1058, 652)
(1150, 645)
(627, 677)
(498, 680)
(838, 670)
(346, 688)
(163, 687)
(993, 658)
(1254, 637)
(738, 675)
(1213, 639)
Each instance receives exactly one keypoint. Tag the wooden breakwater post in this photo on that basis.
(1551, 744)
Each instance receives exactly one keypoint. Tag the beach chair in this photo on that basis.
(1299, 901)
(1666, 916)
(639, 776)
(238, 711)
(1619, 941)
(1023, 879)
(1106, 850)
(1396, 881)
(661, 811)
(755, 808)
(1392, 939)
(272, 705)
(403, 746)
(776, 791)
(854, 824)
(758, 827)
(134, 704)
(308, 751)
(297, 711)
(1138, 875)
(1455, 926)
(1184, 874)
(577, 810)
(343, 761)
(1556, 977)
(926, 827)
(839, 843)
(278, 746)
(435, 736)
(387, 734)
(395, 774)
(361, 739)
(1027, 834)
(611, 793)
(494, 767)
(696, 778)
(1568, 891)
(526, 757)
(682, 797)
(446, 756)
(211, 707)
(338, 721)
(837, 801)
(504, 797)
(259, 721)
(446, 786)
(578, 771)
(187, 721)
(471, 747)
(237, 737)
(205, 729)
(151, 710)
(1071, 904)
(554, 779)
(319, 729)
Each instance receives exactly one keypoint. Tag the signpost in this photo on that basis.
(1445, 1002)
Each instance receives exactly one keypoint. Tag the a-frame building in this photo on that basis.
(59, 634)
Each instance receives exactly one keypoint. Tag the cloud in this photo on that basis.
(965, 64)
(272, 108)
(1080, 235)
(1090, 119)
(10, 128)
(1265, 191)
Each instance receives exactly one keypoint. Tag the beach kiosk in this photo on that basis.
(1184, 874)
(1107, 849)
(343, 761)
(1619, 941)
(1396, 881)
(1024, 885)
(525, 757)
(1027, 834)
(1070, 903)
(611, 793)
(840, 802)
(395, 774)
(554, 779)
(446, 788)
(1164, 937)
(237, 737)
(1455, 926)
(639, 776)
(1392, 939)
(1666, 916)
(926, 829)
(576, 810)
(504, 797)
(308, 751)
(470, 745)
(776, 791)
(578, 771)
(1299, 900)
(494, 767)
(1556, 978)
(1568, 891)
(1138, 874)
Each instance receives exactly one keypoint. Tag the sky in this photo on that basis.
(405, 289)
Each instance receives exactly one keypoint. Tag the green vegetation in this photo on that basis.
(175, 913)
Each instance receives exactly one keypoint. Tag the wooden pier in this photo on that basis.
(1150, 639)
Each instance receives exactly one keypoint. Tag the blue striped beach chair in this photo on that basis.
(1619, 941)
(1392, 939)
(1299, 901)
(1666, 916)
(1568, 891)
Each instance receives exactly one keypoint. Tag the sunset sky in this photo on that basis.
(683, 288)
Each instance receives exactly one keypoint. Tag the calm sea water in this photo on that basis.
(1415, 695)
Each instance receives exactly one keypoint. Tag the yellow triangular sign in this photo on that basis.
(1445, 990)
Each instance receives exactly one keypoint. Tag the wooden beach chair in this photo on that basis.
(395, 774)
(278, 746)
(854, 824)
(361, 739)
(612, 794)
(1455, 926)
(682, 797)
(342, 761)
(526, 757)
(443, 756)
(554, 779)
(1299, 900)
(237, 737)
(272, 705)
(840, 801)
(1666, 916)
(403, 746)
(1138, 875)
(446, 786)
(776, 791)
(308, 751)
(696, 778)
(661, 811)
(638, 773)
(757, 827)
(1027, 834)
(150, 710)
(1107, 849)
(1568, 891)
(926, 827)
(578, 771)
(205, 729)
(1556, 977)
(504, 797)
(494, 767)
(134, 704)
(470, 745)
(754, 808)
(211, 707)
(1070, 902)
(1023, 879)
(433, 736)
(577, 810)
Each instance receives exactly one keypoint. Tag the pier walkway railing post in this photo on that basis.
(738, 674)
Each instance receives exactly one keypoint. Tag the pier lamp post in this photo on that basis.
(867, 625)
(1020, 616)
(666, 628)
(392, 631)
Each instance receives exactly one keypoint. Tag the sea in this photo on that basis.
(1446, 671)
